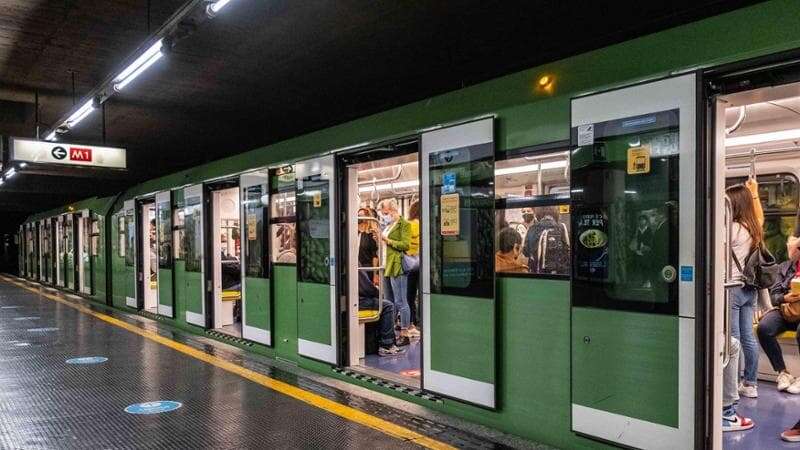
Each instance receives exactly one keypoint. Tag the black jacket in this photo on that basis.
(784, 283)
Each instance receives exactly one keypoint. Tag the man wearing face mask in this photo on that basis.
(507, 258)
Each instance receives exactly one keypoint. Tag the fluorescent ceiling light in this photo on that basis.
(11, 172)
(51, 136)
(387, 186)
(531, 168)
(127, 80)
(752, 139)
(80, 114)
(218, 5)
(138, 62)
(23, 164)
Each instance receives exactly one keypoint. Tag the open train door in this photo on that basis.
(316, 265)
(457, 266)
(194, 223)
(256, 300)
(633, 266)
(164, 252)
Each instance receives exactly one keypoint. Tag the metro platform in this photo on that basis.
(228, 397)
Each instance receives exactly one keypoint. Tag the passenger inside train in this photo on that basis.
(227, 273)
(762, 128)
(384, 246)
(149, 259)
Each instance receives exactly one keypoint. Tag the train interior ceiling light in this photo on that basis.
(139, 65)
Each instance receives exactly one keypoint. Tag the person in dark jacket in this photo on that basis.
(773, 323)
(368, 298)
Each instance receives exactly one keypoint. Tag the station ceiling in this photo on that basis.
(265, 70)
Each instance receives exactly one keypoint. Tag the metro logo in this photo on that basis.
(80, 154)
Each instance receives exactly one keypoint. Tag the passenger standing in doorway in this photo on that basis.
(368, 243)
(397, 237)
(413, 273)
(747, 235)
(547, 244)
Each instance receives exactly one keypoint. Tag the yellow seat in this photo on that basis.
(788, 335)
(231, 296)
(364, 314)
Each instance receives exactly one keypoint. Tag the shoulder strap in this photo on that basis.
(736, 261)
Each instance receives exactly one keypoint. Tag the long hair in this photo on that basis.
(744, 213)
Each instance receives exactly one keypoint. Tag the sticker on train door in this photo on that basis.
(449, 214)
(638, 160)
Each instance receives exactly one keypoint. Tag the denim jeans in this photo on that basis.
(770, 326)
(413, 287)
(386, 331)
(730, 377)
(398, 294)
(743, 302)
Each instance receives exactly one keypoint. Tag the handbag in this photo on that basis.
(760, 269)
(410, 263)
(791, 312)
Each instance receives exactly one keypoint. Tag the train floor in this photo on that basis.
(225, 397)
(772, 413)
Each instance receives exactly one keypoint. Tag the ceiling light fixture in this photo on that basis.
(51, 136)
(11, 172)
(22, 165)
(215, 7)
(80, 114)
(387, 186)
(531, 168)
(139, 65)
(761, 138)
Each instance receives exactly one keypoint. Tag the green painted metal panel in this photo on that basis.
(463, 341)
(626, 363)
(314, 312)
(180, 291)
(194, 292)
(257, 303)
(285, 298)
(165, 287)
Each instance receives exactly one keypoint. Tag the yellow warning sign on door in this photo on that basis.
(638, 160)
(317, 199)
(449, 204)
(563, 209)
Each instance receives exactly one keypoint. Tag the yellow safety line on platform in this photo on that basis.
(323, 403)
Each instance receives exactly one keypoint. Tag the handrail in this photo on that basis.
(380, 270)
(728, 282)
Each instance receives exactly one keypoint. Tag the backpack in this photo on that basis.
(552, 254)
(760, 269)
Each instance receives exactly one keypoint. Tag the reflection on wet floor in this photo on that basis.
(772, 413)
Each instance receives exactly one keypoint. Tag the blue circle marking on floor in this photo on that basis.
(153, 407)
(87, 360)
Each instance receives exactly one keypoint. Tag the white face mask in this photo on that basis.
(384, 219)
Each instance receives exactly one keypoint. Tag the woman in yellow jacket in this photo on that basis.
(413, 276)
(397, 237)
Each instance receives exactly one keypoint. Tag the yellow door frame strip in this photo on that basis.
(344, 411)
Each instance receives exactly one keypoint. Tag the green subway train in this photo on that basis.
(543, 253)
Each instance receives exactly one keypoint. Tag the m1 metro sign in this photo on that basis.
(45, 152)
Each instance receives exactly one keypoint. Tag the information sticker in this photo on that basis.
(448, 182)
(586, 134)
(251, 227)
(638, 160)
(317, 199)
(449, 204)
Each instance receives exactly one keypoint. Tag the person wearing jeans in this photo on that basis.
(731, 421)
(397, 238)
(368, 300)
(773, 323)
(742, 309)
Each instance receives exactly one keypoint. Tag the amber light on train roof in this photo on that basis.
(545, 83)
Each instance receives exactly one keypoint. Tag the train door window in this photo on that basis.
(178, 229)
(383, 229)
(149, 257)
(532, 219)
(226, 257)
(254, 202)
(283, 218)
(130, 238)
(121, 239)
(95, 227)
(164, 233)
(313, 218)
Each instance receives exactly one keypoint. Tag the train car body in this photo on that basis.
(576, 351)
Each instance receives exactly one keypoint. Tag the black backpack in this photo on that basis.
(760, 270)
(552, 250)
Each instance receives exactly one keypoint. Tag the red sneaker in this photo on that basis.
(791, 435)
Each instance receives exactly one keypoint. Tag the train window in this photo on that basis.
(625, 203)
(130, 238)
(193, 237)
(779, 198)
(164, 221)
(461, 222)
(178, 241)
(254, 203)
(532, 219)
(95, 234)
(313, 218)
(121, 228)
(283, 240)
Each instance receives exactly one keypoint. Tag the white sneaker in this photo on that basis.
(750, 391)
(794, 388)
(784, 381)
